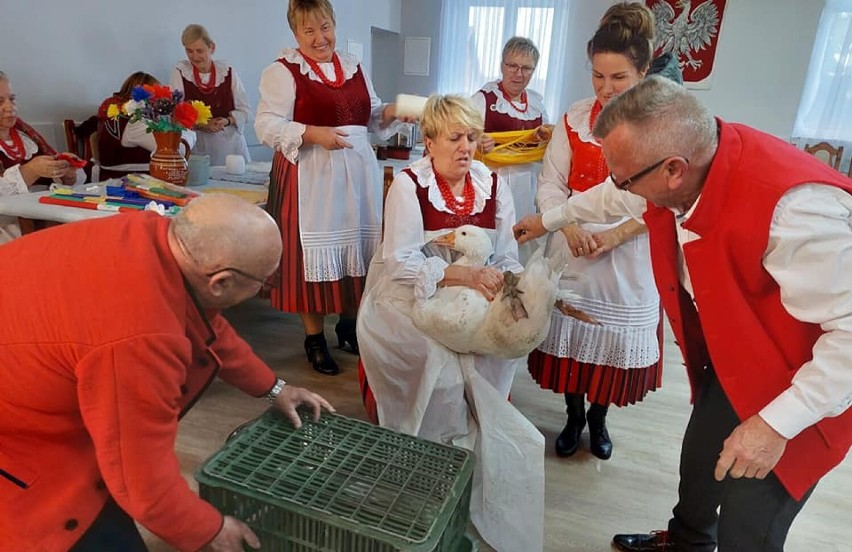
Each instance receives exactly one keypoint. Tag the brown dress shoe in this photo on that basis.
(655, 541)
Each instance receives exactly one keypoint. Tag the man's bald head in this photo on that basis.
(220, 230)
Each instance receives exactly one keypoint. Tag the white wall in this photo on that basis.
(761, 60)
(64, 58)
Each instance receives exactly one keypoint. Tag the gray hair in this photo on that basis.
(522, 46)
(4, 76)
(669, 120)
(195, 32)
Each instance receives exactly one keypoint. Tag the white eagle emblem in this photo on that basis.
(692, 31)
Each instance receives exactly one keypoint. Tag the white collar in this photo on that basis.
(578, 119)
(348, 62)
(184, 67)
(535, 103)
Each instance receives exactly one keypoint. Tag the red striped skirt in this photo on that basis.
(603, 384)
(291, 292)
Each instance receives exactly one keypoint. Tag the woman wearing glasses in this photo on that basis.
(507, 105)
(615, 358)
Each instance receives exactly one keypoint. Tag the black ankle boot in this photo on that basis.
(316, 349)
(345, 330)
(599, 441)
(569, 440)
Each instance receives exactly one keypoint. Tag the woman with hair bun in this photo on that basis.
(613, 358)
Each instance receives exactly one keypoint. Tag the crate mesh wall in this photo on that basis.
(341, 485)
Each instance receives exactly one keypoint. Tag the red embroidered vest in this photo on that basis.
(588, 166)
(220, 99)
(433, 219)
(502, 122)
(321, 105)
(755, 346)
(43, 149)
(110, 131)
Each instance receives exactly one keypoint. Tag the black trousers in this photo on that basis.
(737, 515)
(112, 531)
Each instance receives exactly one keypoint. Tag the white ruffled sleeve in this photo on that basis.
(12, 182)
(376, 110)
(242, 107)
(405, 239)
(274, 123)
(553, 187)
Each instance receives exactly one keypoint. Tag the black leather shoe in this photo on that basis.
(316, 350)
(346, 336)
(569, 440)
(599, 440)
(655, 541)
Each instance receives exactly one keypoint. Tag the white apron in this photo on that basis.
(617, 288)
(424, 389)
(340, 208)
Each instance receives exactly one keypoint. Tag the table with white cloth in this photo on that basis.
(33, 215)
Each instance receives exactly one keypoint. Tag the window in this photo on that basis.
(473, 33)
(825, 110)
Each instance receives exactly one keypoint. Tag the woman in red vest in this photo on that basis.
(614, 359)
(26, 159)
(216, 84)
(325, 190)
(118, 152)
(420, 387)
(507, 105)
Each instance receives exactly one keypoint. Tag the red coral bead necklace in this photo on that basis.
(211, 84)
(525, 104)
(338, 70)
(461, 207)
(16, 151)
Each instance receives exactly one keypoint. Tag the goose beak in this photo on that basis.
(448, 239)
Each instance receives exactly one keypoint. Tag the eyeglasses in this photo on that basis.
(514, 68)
(627, 182)
(270, 281)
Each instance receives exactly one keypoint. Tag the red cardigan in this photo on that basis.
(755, 346)
(100, 358)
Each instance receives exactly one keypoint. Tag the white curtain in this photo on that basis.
(825, 110)
(473, 33)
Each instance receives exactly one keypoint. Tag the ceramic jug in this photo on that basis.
(167, 163)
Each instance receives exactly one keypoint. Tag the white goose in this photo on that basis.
(512, 325)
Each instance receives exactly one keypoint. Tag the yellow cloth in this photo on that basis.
(515, 147)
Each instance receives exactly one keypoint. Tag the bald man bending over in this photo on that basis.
(110, 332)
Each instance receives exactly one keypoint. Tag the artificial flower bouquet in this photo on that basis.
(161, 109)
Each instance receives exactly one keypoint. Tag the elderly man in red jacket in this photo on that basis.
(111, 331)
(751, 246)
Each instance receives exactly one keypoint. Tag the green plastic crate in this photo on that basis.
(341, 485)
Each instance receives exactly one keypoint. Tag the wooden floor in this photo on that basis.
(587, 500)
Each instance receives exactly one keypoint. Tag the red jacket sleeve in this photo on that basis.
(129, 393)
(240, 366)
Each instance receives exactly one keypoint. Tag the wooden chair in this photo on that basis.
(387, 180)
(832, 155)
(387, 177)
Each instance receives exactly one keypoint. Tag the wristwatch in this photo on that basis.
(275, 391)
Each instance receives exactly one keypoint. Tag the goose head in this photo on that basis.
(471, 241)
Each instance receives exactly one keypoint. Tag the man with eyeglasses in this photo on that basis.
(751, 246)
(112, 332)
